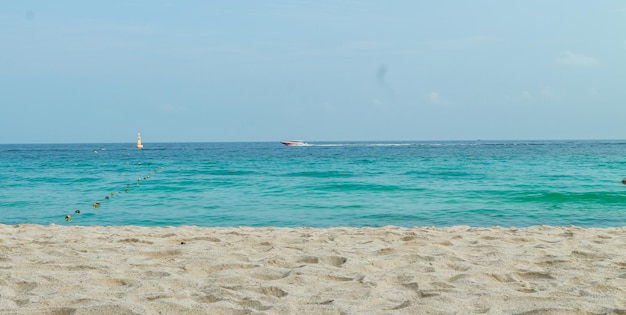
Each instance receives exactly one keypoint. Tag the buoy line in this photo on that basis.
(107, 197)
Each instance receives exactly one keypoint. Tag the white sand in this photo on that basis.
(191, 270)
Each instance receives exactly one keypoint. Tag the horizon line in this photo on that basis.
(324, 141)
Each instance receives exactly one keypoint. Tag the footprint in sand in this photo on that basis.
(273, 291)
(336, 261)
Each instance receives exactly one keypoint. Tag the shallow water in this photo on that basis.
(477, 183)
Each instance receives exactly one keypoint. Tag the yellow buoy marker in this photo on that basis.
(139, 145)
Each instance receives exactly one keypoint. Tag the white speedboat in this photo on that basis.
(294, 143)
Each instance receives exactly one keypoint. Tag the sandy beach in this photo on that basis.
(191, 270)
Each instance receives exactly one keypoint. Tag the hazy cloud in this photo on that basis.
(553, 94)
(378, 103)
(327, 106)
(411, 52)
(359, 47)
(461, 43)
(570, 59)
(435, 98)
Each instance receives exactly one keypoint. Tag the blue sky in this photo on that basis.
(101, 71)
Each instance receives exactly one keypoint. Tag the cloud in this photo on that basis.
(350, 48)
(364, 45)
(553, 94)
(407, 52)
(570, 59)
(359, 47)
(461, 43)
(435, 98)
(378, 103)
(327, 106)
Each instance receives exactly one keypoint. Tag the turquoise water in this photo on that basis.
(476, 183)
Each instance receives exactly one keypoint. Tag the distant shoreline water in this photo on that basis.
(353, 183)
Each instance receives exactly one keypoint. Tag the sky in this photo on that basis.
(218, 71)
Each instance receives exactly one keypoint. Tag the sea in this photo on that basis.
(322, 184)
